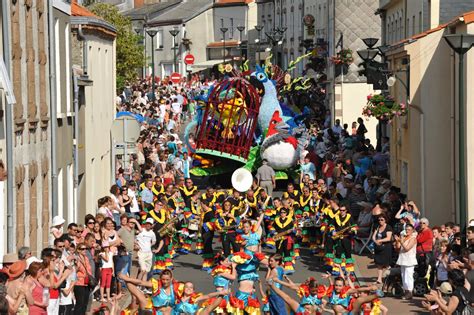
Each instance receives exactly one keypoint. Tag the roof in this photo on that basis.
(222, 3)
(466, 18)
(228, 43)
(79, 10)
(90, 21)
(182, 12)
(149, 10)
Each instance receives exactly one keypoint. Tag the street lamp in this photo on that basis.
(275, 38)
(174, 32)
(259, 29)
(367, 54)
(370, 42)
(223, 30)
(461, 43)
(141, 41)
(241, 28)
(152, 34)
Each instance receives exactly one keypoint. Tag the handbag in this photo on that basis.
(91, 281)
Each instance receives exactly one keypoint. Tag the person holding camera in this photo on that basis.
(458, 303)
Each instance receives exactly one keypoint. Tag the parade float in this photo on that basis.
(240, 121)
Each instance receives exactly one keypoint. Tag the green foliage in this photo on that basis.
(129, 53)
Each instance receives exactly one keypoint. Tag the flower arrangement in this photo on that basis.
(383, 107)
(343, 57)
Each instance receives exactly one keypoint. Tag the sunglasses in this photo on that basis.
(91, 222)
(82, 248)
(381, 220)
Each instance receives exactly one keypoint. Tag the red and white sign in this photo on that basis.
(189, 59)
(175, 77)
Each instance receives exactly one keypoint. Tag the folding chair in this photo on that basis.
(365, 240)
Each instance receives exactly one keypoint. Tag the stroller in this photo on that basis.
(393, 280)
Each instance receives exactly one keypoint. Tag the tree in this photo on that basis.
(129, 53)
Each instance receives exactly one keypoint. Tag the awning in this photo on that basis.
(204, 65)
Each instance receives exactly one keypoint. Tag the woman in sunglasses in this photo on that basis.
(383, 246)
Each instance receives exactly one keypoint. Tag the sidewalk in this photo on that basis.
(366, 273)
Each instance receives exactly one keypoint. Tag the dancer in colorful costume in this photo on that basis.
(190, 231)
(208, 225)
(226, 224)
(223, 274)
(246, 264)
(341, 229)
(284, 228)
(275, 272)
(267, 206)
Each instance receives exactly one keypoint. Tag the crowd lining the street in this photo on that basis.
(342, 200)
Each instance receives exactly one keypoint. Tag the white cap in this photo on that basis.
(58, 220)
(149, 220)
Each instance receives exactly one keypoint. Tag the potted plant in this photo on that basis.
(383, 107)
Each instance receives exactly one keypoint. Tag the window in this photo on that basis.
(231, 29)
(58, 67)
(413, 30)
(420, 24)
(395, 38)
(408, 28)
(68, 69)
(402, 34)
(159, 39)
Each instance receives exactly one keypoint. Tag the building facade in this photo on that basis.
(62, 162)
(93, 61)
(418, 56)
(31, 145)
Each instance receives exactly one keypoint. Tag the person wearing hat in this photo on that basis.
(145, 240)
(16, 287)
(56, 229)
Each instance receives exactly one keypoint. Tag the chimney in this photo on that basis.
(138, 3)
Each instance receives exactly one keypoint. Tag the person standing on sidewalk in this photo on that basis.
(266, 177)
(127, 235)
(145, 240)
(407, 259)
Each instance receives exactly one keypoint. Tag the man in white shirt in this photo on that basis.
(337, 128)
(176, 107)
(132, 188)
(145, 240)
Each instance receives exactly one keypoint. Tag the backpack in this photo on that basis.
(468, 309)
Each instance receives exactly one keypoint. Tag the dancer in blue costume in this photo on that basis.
(189, 302)
(246, 264)
(276, 271)
(310, 292)
(250, 238)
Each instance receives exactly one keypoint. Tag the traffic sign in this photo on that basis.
(125, 129)
(175, 77)
(189, 59)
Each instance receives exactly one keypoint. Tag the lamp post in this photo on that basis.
(282, 31)
(259, 29)
(174, 32)
(460, 44)
(139, 33)
(241, 28)
(223, 30)
(274, 37)
(152, 34)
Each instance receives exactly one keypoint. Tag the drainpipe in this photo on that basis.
(76, 147)
(9, 129)
(52, 93)
(85, 56)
